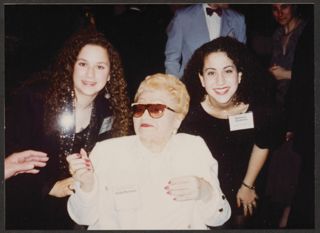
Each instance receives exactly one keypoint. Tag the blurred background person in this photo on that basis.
(284, 43)
(285, 162)
(301, 122)
(195, 25)
(156, 179)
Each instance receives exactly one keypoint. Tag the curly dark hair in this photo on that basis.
(61, 82)
(256, 82)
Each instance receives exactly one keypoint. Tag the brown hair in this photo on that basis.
(60, 96)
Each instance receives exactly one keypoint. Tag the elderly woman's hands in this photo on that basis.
(81, 169)
(247, 198)
(189, 188)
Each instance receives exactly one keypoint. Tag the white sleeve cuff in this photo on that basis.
(216, 211)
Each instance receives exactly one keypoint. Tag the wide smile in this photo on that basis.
(221, 91)
(88, 83)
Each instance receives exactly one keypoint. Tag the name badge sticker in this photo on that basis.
(241, 121)
(127, 197)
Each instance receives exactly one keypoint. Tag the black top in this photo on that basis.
(232, 149)
(28, 205)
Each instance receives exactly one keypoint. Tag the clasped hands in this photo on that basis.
(247, 198)
(180, 188)
(81, 170)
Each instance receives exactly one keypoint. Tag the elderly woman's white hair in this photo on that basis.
(172, 85)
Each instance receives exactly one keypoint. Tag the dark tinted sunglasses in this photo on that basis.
(154, 110)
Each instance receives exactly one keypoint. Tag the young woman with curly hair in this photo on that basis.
(81, 100)
(229, 110)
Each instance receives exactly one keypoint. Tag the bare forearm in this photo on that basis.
(257, 160)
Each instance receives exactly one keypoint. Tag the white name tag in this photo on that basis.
(241, 121)
(106, 124)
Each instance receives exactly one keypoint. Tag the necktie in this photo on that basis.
(210, 11)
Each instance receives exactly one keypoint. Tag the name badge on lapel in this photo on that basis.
(241, 121)
(106, 124)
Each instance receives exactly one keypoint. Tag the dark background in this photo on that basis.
(35, 33)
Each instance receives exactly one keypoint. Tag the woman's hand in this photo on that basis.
(189, 188)
(247, 198)
(24, 162)
(62, 188)
(81, 169)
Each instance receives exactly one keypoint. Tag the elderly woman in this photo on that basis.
(156, 179)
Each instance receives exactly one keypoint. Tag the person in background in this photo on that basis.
(80, 100)
(285, 162)
(301, 122)
(24, 162)
(195, 25)
(284, 43)
(230, 100)
(156, 179)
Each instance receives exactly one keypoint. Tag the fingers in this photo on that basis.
(245, 210)
(29, 167)
(248, 209)
(183, 188)
(254, 204)
(79, 162)
(31, 171)
(28, 153)
(72, 157)
(238, 202)
(84, 154)
(38, 164)
(36, 158)
(71, 186)
(183, 194)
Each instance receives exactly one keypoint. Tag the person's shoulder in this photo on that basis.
(113, 148)
(233, 13)
(117, 141)
(189, 10)
(189, 139)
